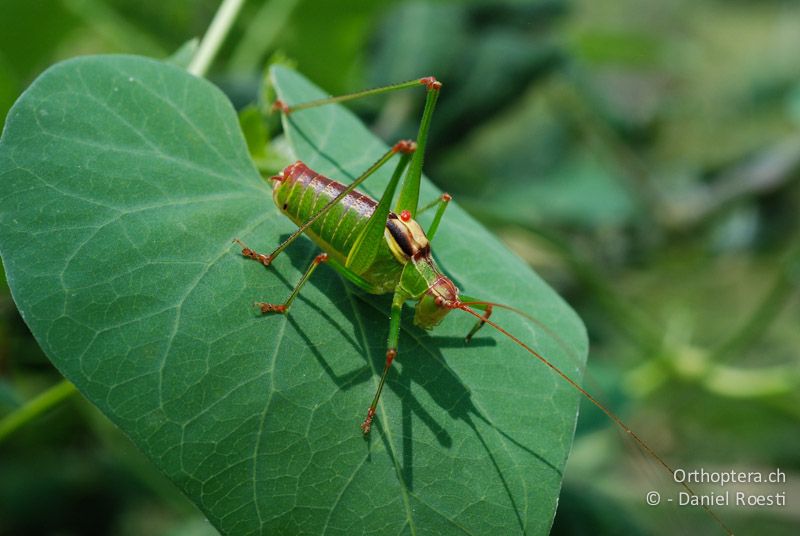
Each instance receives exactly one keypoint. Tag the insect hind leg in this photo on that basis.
(283, 107)
(283, 308)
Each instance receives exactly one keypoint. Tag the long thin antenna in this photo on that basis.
(593, 400)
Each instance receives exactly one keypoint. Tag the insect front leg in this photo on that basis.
(441, 204)
(391, 352)
(487, 312)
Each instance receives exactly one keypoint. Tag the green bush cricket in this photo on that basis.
(385, 250)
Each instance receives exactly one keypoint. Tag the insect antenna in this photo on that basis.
(520, 312)
(487, 307)
(483, 319)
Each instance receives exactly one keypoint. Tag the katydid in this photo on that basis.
(383, 249)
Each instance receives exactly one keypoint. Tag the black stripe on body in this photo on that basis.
(400, 235)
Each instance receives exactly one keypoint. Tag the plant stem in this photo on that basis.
(214, 37)
(35, 407)
(261, 32)
(762, 317)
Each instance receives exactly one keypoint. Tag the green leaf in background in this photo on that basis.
(124, 181)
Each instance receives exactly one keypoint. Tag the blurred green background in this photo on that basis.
(643, 156)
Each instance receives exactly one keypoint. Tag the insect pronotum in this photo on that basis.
(387, 251)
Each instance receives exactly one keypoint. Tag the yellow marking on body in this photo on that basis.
(394, 247)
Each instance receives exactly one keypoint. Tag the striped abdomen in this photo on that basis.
(301, 192)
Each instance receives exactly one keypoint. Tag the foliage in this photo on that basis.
(642, 156)
(147, 313)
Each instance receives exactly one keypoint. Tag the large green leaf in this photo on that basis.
(124, 181)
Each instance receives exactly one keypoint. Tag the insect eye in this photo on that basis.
(439, 301)
(405, 215)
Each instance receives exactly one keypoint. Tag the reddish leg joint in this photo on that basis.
(280, 106)
(367, 424)
(266, 260)
(322, 257)
(447, 197)
(271, 307)
(431, 83)
(404, 146)
(484, 317)
(391, 353)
